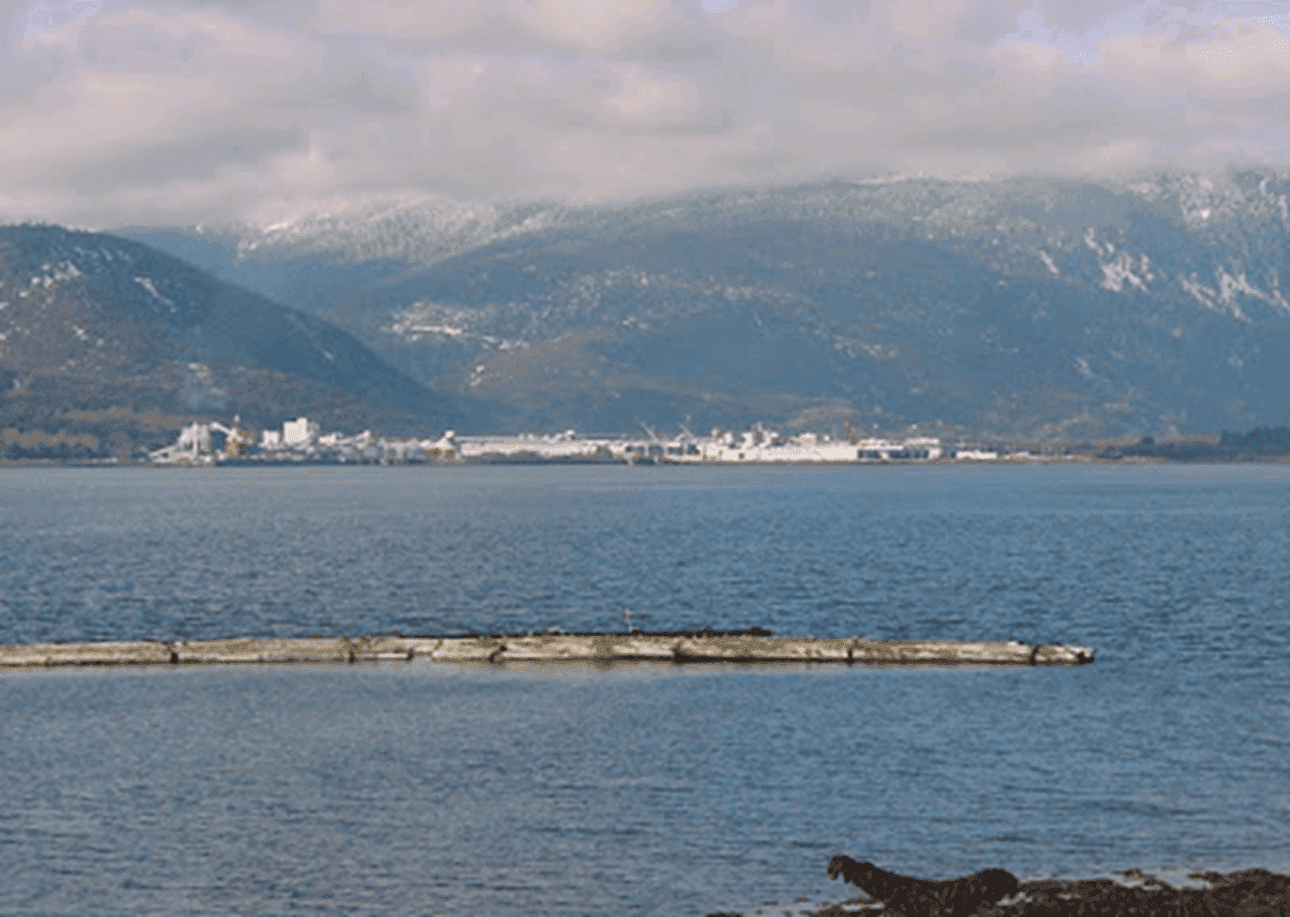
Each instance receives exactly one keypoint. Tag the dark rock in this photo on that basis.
(926, 897)
(1251, 893)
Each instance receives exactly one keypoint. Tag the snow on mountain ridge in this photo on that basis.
(1025, 303)
(120, 317)
(417, 230)
(1010, 214)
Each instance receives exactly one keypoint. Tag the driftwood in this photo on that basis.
(677, 647)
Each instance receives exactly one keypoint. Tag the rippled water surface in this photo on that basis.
(421, 788)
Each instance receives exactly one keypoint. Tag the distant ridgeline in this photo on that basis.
(1275, 440)
(1026, 310)
(1260, 444)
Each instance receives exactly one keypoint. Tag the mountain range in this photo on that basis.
(1030, 309)
(1024, 309)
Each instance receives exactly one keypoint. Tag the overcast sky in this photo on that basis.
(116, 112)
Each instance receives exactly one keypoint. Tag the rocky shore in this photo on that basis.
(1249, 893)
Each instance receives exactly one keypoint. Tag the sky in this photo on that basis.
(172, 112)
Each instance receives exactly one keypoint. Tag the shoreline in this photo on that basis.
(1254, 892)
(1015, 460)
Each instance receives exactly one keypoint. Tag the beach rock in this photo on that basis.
(925, 897)
(1249, 893)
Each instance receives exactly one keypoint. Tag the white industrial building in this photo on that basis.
(300, 432)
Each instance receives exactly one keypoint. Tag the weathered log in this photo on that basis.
(763, 649)
(680, 648)
(144, 652)
(264, 650)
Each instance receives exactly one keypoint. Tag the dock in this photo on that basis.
(671, 647)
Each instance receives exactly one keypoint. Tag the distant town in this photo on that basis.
(302, 441)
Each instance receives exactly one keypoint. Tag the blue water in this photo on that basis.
(421, 788)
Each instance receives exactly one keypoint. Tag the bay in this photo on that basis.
(420, 788)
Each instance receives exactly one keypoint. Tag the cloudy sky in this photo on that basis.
(118, 112)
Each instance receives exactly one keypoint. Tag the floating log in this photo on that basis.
(706, 646)
(40, 654)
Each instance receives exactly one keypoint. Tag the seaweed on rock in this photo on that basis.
(1249, 893)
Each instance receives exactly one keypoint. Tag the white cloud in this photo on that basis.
(403, 20)
(179, 110)
(601, 27)
(20, 18)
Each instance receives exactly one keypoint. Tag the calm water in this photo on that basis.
(418, 789)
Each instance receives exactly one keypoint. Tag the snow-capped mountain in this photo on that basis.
(112, 324)
(1026, 308)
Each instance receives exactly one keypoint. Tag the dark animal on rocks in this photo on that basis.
(925, 897)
